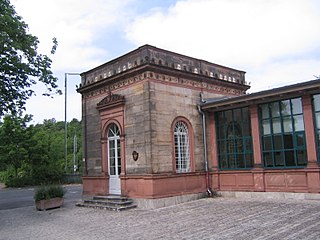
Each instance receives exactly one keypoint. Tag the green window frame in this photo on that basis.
(316, 113)
(282, 134)
(234, 139)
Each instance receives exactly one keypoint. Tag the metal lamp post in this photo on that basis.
(65, 118)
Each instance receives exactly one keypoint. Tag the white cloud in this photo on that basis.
(75, 24)
(291, 71)
(254, 35)
(276, 41)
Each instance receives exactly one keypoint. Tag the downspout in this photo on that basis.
(84, 129)
(204, 137)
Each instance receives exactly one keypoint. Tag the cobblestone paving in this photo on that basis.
(218, 218)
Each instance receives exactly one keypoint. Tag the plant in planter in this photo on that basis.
(48, 197)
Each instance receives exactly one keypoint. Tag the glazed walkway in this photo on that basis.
(218, 218)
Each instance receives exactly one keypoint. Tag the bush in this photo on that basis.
(19, 181)
(47, 192)
(47, 175)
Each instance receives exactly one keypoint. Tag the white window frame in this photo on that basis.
(181, 147)
(114, 136)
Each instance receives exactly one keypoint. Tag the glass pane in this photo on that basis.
(275, 111)
(221, 132)
(267, 144)
(278, 159)
(267, 158)
(248, 144)
(231, 161)
(249, 162)
(302, 157)
(112, 166)
(112, 152)
(276, 125)
(285, 108)
(287, 124)
(264, 108)
(318, 120)
(277, 142)
(288, 141)
(113, 130)
(266, 127)
(316, 102)
(289, 155)
(111, 144)
(223, 161)
(220, 119)
(300, 140)
(296, 106)
(221, 148)
(246, 129)
(245, 115)
(240, 161)
(318, 138)
(239, 145)
(237, 116)
(112, 170)
(231, 146)
(228, 116)
(298, 123)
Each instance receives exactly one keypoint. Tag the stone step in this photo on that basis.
(111, 202)
(106, 207)
(111, 198)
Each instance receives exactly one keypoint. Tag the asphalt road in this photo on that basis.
(11, 198)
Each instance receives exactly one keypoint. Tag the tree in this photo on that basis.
(14, 142)
(21, 66)
(34, 154)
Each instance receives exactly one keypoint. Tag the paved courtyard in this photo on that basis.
(217, 218)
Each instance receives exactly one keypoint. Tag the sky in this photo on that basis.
(276, 42)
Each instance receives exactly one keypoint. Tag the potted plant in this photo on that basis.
(48, 197)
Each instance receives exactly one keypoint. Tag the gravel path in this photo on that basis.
(218, 218)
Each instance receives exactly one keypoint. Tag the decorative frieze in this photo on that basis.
(162, 78)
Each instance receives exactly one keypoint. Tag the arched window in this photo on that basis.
(181, 147)
(114, 154)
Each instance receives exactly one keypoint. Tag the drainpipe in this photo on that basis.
(204, 137)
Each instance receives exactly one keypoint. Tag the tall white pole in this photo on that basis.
(65, 120)
(74, 152)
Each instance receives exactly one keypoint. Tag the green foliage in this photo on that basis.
(19, 181)
(47, 192)
(14, 136)
(34, 155)
(21, 66)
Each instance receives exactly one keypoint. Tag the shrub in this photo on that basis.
(44, 174)
(47, 192)
(19, 181)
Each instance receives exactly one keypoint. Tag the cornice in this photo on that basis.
(162, 75)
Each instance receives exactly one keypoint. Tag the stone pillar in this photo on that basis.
(309, 130)
(104, 157)
(313, 170)
(257, 171)
(213, 152)
(123, 154)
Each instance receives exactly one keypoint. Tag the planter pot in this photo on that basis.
(49, 203)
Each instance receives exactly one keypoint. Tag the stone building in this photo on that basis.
(158, 124)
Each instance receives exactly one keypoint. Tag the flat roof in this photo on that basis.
(299, 89)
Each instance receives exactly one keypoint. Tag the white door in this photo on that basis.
(114, 159)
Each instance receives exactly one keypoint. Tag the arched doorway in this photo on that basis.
(114, 159)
